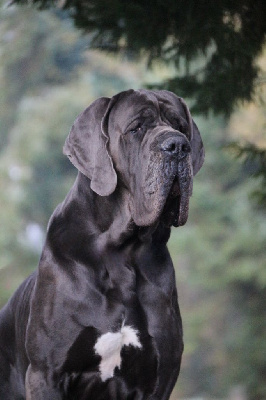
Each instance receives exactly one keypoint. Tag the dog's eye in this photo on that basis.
(180, 126)
(135, 129)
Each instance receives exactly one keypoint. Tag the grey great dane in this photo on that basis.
(99, 319)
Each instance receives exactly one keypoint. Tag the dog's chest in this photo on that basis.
(127, 319)
(117, 349)
(123, 358)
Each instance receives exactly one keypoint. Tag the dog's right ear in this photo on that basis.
(87, 147)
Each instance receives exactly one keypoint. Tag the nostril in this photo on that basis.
(172, 148)
(176, 146)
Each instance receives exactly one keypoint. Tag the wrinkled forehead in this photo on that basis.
(133, 103)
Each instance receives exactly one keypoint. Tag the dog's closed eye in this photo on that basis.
(136, 128)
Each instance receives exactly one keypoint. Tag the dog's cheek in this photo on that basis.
(145, 210)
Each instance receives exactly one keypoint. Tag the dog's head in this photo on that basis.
(145, 141)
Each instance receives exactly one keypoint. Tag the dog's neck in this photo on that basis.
(109, 216)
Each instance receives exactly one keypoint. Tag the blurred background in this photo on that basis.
(56, 61)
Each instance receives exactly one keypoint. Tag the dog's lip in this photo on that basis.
(177, 204)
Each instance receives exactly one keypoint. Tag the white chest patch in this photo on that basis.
(109, 347)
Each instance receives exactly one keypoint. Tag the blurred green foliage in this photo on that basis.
(230, 35)
(254, 158)
(221, 276)
(47, 77)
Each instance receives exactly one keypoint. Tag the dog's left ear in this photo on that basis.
(198, 153)
(197, 147)
(87, 146)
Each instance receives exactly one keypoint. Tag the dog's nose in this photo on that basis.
(176, 145)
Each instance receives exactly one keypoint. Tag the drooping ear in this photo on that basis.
(87, 147)
(198, 152)
(196, 143)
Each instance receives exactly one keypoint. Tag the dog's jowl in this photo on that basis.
(99, 319)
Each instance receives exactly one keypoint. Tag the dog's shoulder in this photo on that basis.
(19, 304)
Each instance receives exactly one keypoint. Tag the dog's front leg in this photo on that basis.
(37, 387)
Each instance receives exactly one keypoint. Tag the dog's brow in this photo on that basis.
(147, 113)
(171, 114)
(143, 113)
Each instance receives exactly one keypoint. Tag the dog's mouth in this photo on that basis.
(176, 207)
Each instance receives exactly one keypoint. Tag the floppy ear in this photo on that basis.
(197, 147)
(198, 153)
(87, 147)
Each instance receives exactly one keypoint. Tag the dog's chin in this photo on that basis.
(175, 211)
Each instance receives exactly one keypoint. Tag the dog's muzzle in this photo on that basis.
(177, 150)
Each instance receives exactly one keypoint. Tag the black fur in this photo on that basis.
(105, 262)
